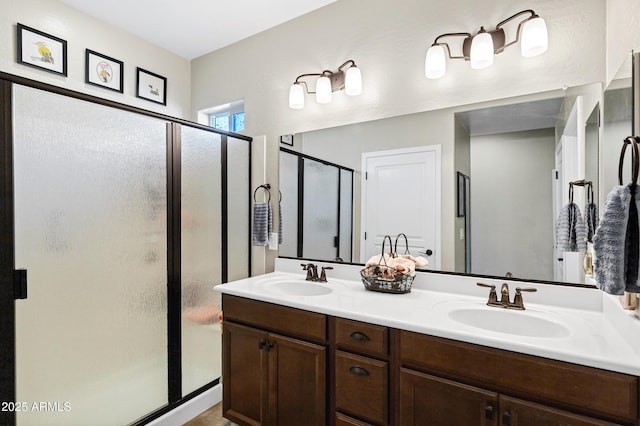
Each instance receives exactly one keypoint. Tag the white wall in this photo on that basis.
(506, 170)
(388, 40)
(82, 31)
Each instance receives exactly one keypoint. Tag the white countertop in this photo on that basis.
(595, 330)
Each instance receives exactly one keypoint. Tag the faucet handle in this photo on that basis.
(518, 303)
(493, 297)
(312, 272)
(323, 275)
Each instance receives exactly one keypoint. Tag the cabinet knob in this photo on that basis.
(506, 418)
(359, 336)
(488, 412)
(359, 371)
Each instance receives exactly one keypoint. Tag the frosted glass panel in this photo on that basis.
(346, 214)
(90, 206)
(289, 188)
(238, 208)
(201, 257)
(320, 210)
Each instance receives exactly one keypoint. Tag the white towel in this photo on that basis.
(262, 223)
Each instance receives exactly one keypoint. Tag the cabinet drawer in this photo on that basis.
(362, 387)
(360, 337)
(577, 388)
(282, 319)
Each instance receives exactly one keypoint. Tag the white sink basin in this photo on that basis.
(507, 321)
(299, 288)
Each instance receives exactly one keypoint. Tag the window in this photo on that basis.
(228, 117)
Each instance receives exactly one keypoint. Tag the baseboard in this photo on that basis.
(187, 411)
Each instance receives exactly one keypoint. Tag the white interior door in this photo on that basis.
(401, 194)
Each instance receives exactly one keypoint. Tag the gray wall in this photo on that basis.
(506, 170)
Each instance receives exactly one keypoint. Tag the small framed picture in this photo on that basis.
(150, 86)
(40, 50)
(287, 139)
(103, 71)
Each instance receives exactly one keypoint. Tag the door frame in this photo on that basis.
(437, 149)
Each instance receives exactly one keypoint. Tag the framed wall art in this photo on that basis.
(103, 71)
(41, 50)
(286, 139)
(150, 86)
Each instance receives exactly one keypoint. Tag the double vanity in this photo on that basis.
(302, 352)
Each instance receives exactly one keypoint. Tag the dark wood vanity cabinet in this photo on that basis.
(445, 381)
(285, 366)
(270, 378)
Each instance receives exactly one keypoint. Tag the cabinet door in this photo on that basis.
(516, 412)
(244, 372)
(430, 400)
(297, 382)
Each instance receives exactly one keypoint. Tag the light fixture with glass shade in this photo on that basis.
(479, 49)
(326, 83)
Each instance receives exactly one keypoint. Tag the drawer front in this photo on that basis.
(282, 319)
(360, 337)
(362, 387)
(578, 388)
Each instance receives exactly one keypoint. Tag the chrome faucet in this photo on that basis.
(312, 271)
(504, 302)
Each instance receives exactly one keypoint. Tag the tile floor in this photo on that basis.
(211, 417)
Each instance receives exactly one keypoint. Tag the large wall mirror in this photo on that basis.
(512, 161)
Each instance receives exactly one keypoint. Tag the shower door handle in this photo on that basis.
(20, 284)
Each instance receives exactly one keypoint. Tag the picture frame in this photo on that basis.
(286, 139)
(462, 196)
(41, 50)
(103, 71)
(151, 86)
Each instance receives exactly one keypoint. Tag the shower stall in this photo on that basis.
(123, 220)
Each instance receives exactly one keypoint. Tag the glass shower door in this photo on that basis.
(201, 267)
(90, 228)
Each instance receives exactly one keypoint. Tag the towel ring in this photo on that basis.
(635, 158)
(266, 187)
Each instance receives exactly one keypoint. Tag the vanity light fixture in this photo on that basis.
(479, 49)
(327, 83)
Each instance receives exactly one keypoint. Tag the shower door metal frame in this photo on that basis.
(8, 291)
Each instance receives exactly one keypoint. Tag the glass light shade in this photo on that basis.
(296, 96)
(435, 64)
(534, 38)
(323, 90)
(353, 81)
(481, 51)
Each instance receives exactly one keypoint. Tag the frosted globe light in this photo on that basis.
(323, 90)
(535, 38)
(481, 51)
(353, 81)
(296, 96)
(435, 64)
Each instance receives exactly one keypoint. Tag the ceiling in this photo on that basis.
(191, 28)
(512, 118)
